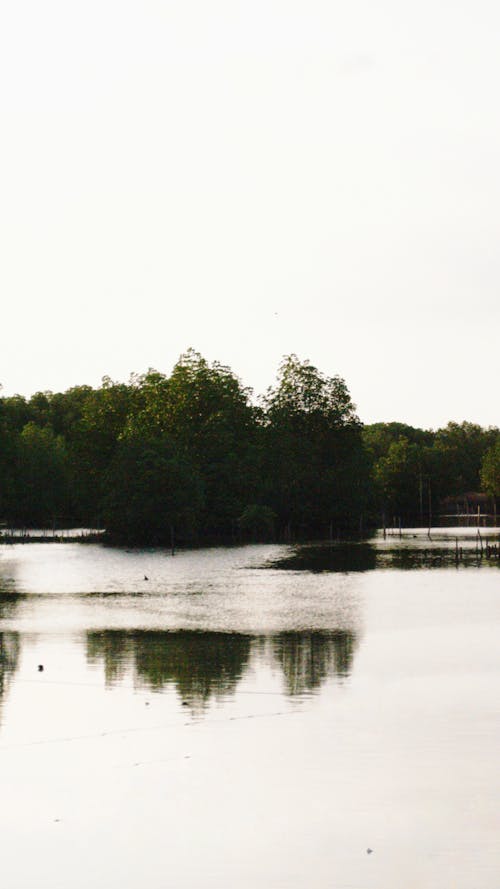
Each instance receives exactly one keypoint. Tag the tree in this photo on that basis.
(459, 450)
(398, 477)
(208, 412)
(378, 437)
(41, 482)
(93, 441)
(306, 399)
(314, 470)
(257, 522)
(151, 492)
(16, 412)
(8, 467)
(490, 470)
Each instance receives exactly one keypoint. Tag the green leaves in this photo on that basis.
(151, 488)
(490, 470)
(41, 489)
(312, 443)
(304, 395)
(191, 452)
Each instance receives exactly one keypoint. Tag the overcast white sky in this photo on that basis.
(253, 179)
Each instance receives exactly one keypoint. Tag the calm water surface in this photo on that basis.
(250, 717)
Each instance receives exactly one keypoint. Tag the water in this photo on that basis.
(254, 717)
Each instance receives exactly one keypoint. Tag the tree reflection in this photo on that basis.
(412, 558)
(206, 665)
(200, 665)
(309, 658)
(8, 593)
(331, 557)
(115, 648)
(8, 603)
(9, 659)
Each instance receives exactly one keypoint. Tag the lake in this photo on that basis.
(323, 716)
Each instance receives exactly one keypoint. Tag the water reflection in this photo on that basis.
(410, 558)
(405, 554)
(199, 665)
(206, 665)
(7, 578)
(329, 557)
(9, 658)
(8, 604)
(309, 659)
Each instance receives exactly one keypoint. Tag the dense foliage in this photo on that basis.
(191, 457)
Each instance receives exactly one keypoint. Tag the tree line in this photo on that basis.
(192, 457)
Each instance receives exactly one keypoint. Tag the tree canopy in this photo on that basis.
(192, 456)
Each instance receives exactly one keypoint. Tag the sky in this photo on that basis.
(253, 179)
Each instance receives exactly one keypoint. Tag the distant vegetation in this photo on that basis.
(191, 457)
